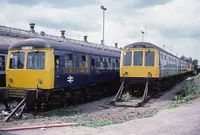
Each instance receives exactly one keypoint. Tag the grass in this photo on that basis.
(189, 91)
(62, 115)
(99, 123)
(126, 97)
(198, 76)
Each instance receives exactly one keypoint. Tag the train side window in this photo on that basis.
(83, 63)
(161, 56)
(97, 62)
(127, 58)
(113, 63)
(2, 63)
(109, 63)
(117, 63)
(57, 62)
(149, 58)
(69, 62)
(105, 62)
(138, 58)
(93, 63)
(165, 57)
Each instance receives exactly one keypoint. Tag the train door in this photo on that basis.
(93, 70)
(57, 71)
(3, 58)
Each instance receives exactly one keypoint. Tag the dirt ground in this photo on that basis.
(92, 114)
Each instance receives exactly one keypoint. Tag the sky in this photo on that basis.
(173, 23)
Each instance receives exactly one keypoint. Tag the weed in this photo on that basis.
(99, 123)
(127, 96)
(190, 91)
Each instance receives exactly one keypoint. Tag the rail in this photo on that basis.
(29, 34)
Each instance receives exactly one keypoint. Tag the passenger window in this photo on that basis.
(83, 64)
(57, 62)
(69, 63)
(2, 63)
(93, 63)
(97, 62)
(113, 63)
(117, 63)
(105, 62)
(127, 58)
(138, 57)
(149, 58)
(109, 63)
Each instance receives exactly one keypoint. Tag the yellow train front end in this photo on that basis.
(29, 69)
(137, 64)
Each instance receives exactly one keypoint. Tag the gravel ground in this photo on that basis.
(92, 112)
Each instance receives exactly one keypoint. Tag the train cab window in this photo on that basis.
(127, 58)
(16, 60)
(2, 63)
(138, 58)
(149, 58)
(35, 60)
(57, 62)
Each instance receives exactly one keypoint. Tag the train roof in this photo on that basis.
(147, 45)
(46, 43)
(4, 47)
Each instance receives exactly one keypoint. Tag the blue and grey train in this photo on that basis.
(52, 70)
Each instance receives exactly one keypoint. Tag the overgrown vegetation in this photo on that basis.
(189, 92)
(198, 76)
(63, 114)
(126, 96)
(99, 123)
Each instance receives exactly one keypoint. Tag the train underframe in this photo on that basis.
(44, 99)
(146, 86)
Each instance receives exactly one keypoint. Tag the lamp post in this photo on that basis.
(142, 36)
(104, 9)
(145, 34)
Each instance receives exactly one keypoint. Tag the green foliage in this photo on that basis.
(99, 123)
(198, 76)
(126, 96)
(190, 60)
(189, 92)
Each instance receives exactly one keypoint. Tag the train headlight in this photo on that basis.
(149, 74)
(39, 81)
(126, 73)
(10, 80)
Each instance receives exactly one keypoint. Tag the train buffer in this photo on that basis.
(20, 108)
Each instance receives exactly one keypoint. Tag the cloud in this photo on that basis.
(174, 23)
